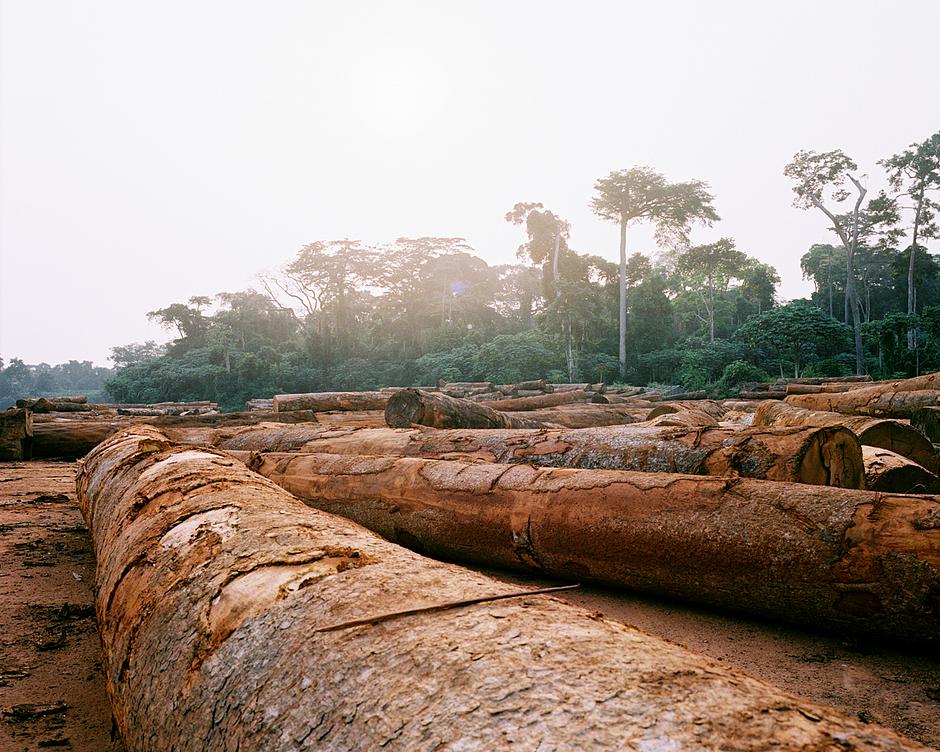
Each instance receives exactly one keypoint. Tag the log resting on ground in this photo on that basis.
(54, 405)
(895, 399)
(746, 395)
(212, 584)
(416, 407)
(66, 438)
(522, 404)
(892, 435)
(823, 456)
(893, 473)
(709, 407)
(584, 415)
(824, 380)
(330, 401)
(850, 561)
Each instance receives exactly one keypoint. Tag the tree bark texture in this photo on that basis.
(892, 473)
(875, 401)
(892, 435)
(585, 415)
(824, 379)
(213, 584)
(416, 407)
(522, 404)
(322, 402)
(64, 438)
(747, 395)
(709, 407)
(54, 405)
(823, 456)
(851, 561)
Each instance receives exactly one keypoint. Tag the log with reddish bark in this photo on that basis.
(521, 404)
(894, 399)
(890, 472)
(234, 617)
(856, 562)
(16, 434)
(710, 407)
(331, 401)
(888, 434)
(688, 418)
(415, 407)
(64, 438)
(583, 415)
(821, 388)
(824, 456)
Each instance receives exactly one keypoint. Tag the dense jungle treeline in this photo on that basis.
(345, 315)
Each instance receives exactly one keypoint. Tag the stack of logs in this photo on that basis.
(229, 586)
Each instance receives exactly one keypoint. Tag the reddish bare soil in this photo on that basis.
(52, 693)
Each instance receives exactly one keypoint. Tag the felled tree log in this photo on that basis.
(891, 400)
(415, 407)
(570, 387)
(16, 434)
(586, 415)
(260, 404)
(70, 439)
(876, 432)
(687, 418)
(522, 404)
(825, 379)
(329, 401)
(851, 561)
(218, 634)
(890, 472)
(709, 407)
(745, 395)
(54, 405)
(824, 456)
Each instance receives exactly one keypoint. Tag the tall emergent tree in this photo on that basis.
(641, 194)
(915, 172)
(815, 174)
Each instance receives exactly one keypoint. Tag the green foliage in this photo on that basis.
(737, 373)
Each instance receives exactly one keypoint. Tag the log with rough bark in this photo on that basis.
(700, 394)
(521, 404)
(740, 405)
(824, 379)
(262, 405)
(570, 387)
(927, 421)
(322, 402)
(892, 473)
(234, 617)
(852, 561)
(16, 434)
(54, 405)
(688, 418)
(745, 395)
(487, 397)
(415, 407)
(896, 399)
(821, 388)
(875, 432)
(822, 456)
(709, 407)
(586, 415)
(64, 438)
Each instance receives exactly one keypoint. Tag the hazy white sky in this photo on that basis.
(154, 151)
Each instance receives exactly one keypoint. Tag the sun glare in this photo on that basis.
(396, 94)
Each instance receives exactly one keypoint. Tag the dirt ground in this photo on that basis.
(52, 693)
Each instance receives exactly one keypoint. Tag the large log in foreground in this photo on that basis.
(323, 402)
(234, 617)
(822, 456)
(416, 407)
(851, 561)
(876, 432)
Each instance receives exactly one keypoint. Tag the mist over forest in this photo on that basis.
(345, 315)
